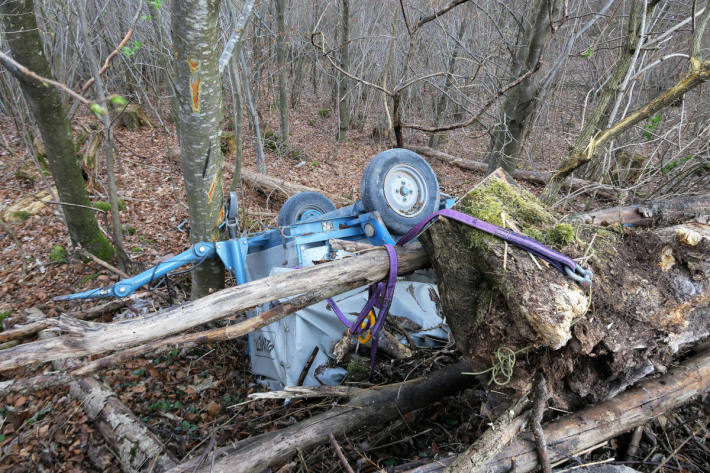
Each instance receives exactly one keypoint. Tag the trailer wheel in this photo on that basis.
(402, 187)
(304, 206)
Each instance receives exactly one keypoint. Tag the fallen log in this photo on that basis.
(574, 433)
(368, 407)
(538, 177)
(657, 212)
(86, 338)
(650, 296)
(275, 185)
(136, 447)
(36, 326)
(229, 332)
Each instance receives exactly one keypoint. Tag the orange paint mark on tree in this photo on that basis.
(193, 64)
(213, 186)
(195, 84)
(220, 217)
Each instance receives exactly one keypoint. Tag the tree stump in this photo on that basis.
(133, 117)
(650, 296)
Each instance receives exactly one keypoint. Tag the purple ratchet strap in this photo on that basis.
(381, 294)
(378, 291)
(562, 263)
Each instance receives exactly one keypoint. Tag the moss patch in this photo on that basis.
(489, 202)
(20, 215)
(562, 234)
(106, 207)
(58, 254)
(100, 247)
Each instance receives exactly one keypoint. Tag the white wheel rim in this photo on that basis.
(405, 190)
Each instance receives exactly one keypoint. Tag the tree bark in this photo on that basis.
(343, 108)
(281, 53)
(520, 104)
(86, 338)
(270, 185)
(440, 101)
(198, 123)
(538, 177)
(573, 434)
(22, 35)
(650, 296)
(658, 212)
(367, 407)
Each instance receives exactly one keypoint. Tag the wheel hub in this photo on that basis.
(405, 190)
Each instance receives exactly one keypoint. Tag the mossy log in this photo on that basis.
(649, 299)
(133, 116)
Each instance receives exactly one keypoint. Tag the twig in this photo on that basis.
(307, 366)
(103, 263)
(113, 54)
(541, 397)
(634, 444)
(339, 452)
(668, 458)
(16, 68)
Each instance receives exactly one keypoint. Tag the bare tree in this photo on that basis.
(22, 34)
(198, 116)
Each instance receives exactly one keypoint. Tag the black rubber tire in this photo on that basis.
(296, 205)
(372, 190)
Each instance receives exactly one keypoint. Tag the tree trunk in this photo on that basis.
(520, 104)
(22, 35)
(84, 338)
(343, 108)
(538, 177)
(650, 296)
(198, 123)
(270, 185)
(368, 407)
(281, 53)
(116, 230)
(253, 114)
(440, 102)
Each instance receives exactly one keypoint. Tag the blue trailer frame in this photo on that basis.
(347, 223)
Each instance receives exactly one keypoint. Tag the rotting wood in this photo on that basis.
(206, 336)
(588, 427)
(31, 328)
(85, 338)
(372, 406)
(538, 177)
(657, 212)
(137, 448)
(270, 185)
(574, 433)
(501, 432)
(650, 296)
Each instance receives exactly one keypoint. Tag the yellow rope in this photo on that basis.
(503, 367)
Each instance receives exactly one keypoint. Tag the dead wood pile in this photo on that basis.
(508, 310)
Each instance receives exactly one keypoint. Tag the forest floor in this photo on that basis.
(186, 395)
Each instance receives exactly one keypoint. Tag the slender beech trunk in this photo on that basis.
(440, 103)
(343, 108)
(23, 37)
(520, 102)
(116, 231)
(251, 109)
(699, 72)
(238, 125)
(281, 53)
(198, 121)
